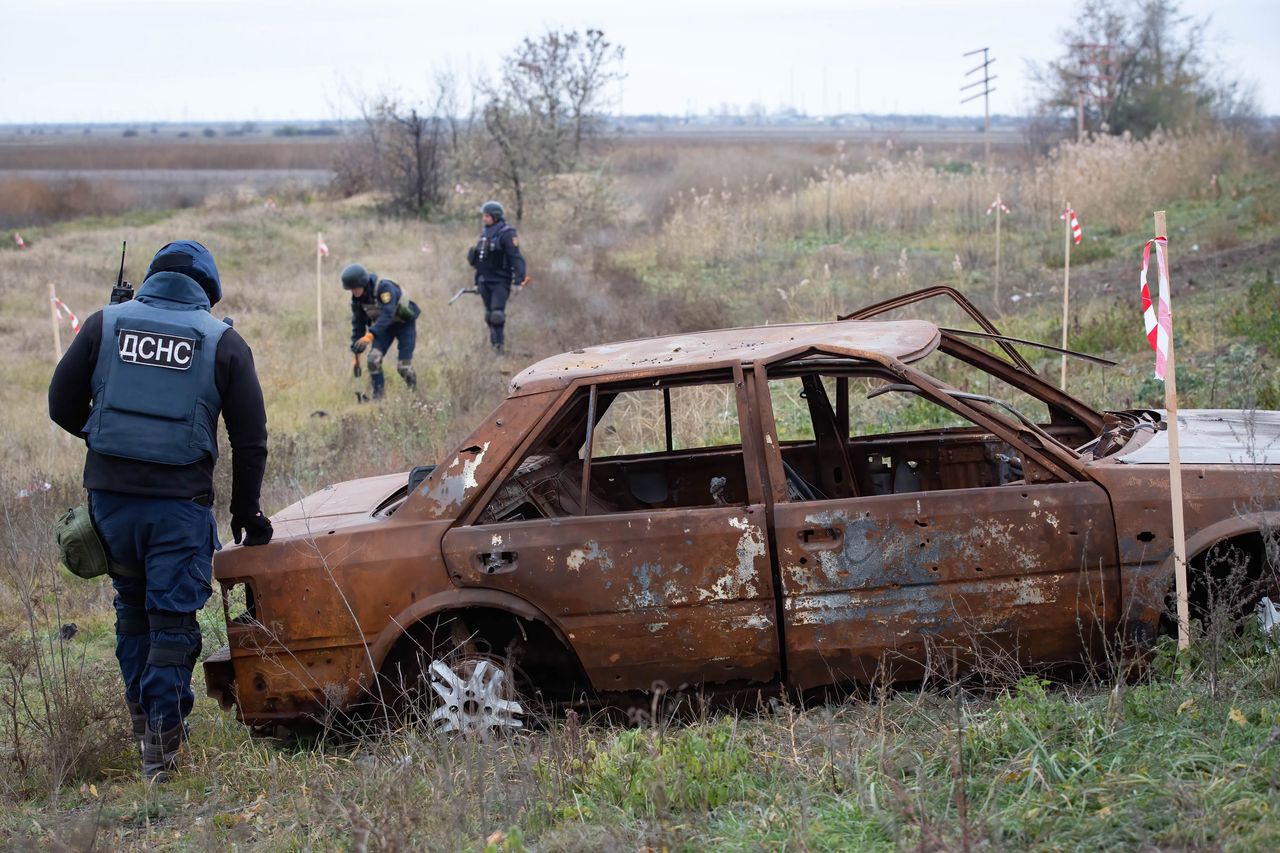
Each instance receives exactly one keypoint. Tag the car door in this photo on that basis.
(660, 575)
(935, 556)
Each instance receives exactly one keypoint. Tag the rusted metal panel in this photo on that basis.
(470, 471)
(1214, 437)
(1023, 566)
(1058, 401)
(659, 595)
(928, 293)
(319, 603)
(354, 497)
(1215, 497)
(219, 678)
(297, 683)
(903, 340)
(907, 633)
(680, 647)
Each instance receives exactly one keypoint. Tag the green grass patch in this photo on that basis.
(1258, 320)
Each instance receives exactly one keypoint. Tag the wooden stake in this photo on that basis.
(1066, 290)
(57, 332)
(1175, 466)
(998, 204)
(319, 295)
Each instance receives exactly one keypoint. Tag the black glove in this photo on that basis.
(359, 346)
(253, 529)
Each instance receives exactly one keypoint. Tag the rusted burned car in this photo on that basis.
(740, 508)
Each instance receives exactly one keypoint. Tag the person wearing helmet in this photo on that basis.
(143, 384)
(380, 314)
(498, 264)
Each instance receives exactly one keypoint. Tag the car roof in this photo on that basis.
(903, 340)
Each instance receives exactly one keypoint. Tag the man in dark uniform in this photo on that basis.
(143, 383)
(381, 313)
(499, 265)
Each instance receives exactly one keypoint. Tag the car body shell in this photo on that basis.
(1059, 565)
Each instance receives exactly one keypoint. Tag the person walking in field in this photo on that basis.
(143, 383)
(380, 314)
(499, 265)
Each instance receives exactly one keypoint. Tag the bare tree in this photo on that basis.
(405, 151)
(545, 106)
(1136, 65)
(413, 160)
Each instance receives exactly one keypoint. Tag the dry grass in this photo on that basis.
(1112, 183)
(30, 201)
(143, 153)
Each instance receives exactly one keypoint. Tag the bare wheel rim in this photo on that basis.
(474, 696)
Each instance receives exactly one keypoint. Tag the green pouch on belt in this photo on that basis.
(80, 547)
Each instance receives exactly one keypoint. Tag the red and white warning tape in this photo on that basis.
(1076, 233)
(64, 311)
(1000, 204)
(1157, 318)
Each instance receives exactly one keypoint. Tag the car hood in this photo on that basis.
(338, 505)
(348, 504)
(1214, 437)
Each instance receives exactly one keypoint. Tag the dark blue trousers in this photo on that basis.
(495, 295)
(170, 540)
(405, 334)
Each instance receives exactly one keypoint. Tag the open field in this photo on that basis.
(689, 236)
(56, 179)
(143, 153)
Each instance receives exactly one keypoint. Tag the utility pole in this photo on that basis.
(1095, 80)
(985, 82)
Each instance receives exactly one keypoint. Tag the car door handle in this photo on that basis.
(820, 536)
(497, 562)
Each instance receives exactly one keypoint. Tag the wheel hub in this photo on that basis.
(474, 697)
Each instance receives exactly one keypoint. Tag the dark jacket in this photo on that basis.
(243, 412)
(378, 307)
(496, 255)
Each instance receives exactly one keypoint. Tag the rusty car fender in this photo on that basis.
(1220, 531)
(456, 599)
(1144, 587)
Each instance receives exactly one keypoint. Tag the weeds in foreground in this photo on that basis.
(63, 718)
(1187, 757)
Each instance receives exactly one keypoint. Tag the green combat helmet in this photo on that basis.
(355, 275)
(492, 208)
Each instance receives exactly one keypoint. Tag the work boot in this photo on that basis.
(139, 719)
(160, 752)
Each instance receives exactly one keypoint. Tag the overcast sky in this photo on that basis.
(198, 60)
